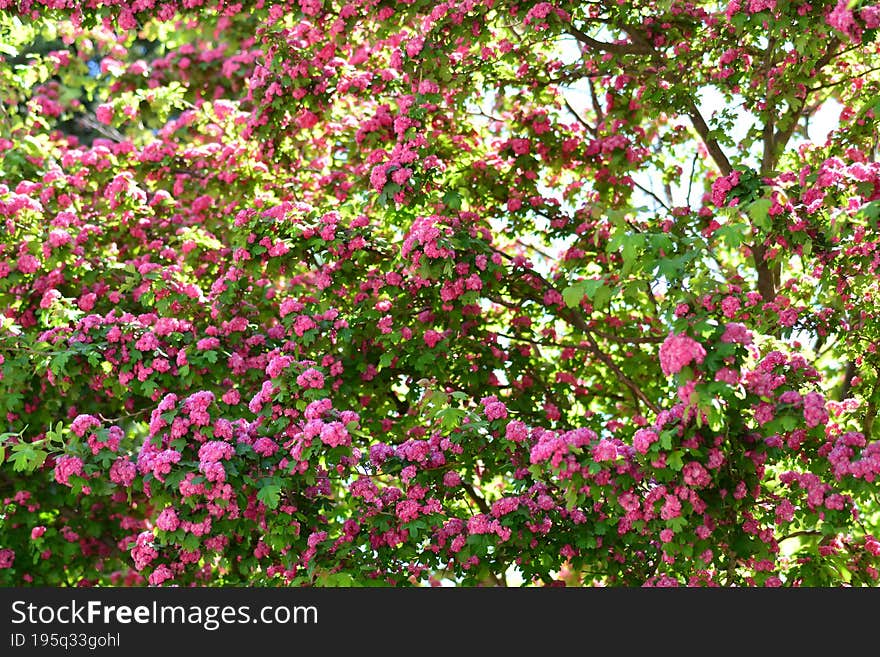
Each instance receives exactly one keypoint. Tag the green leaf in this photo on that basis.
(601, 297)
(571, 498)
(190, 542)
(270, 495)
(58, 362)
(452, 200)
(573, 294)
(385, 359)
(450, 418)
(759, 213)
(732, 234)
(55, 435)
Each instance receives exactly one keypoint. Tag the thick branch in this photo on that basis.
(871, 411)
(614, 48)
(800, 532)
(712, 145)
(780, 139)
(479, 501)
(767, 275)
(847, 380)
(774, 142)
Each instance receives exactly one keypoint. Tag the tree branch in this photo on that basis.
(650, 193)
(691, 179)
(802, 532)
(782, 136)
(600, 116)
(479, 501)
(711, 144)
(871, 410)
(621, 376)
(613, 48)
(583, 122)
(572, 317)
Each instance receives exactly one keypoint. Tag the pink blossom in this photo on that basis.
(123, 472)
(277, 366)
(206, 344)
(695, 475)
(643, 439)
(495, 410)
(841, 18)
(727, 375)
(50, 296)
(407, 510)
(213, 471)
(67, 466)
(432, 337)
(814, 409)
(87, 301)
(167, 520)
(671, 508)
(315, 538)
(160, 575)
(7, 557)
(730, 306)
(871, 16)
(265, 446)
(215, 450)
(721, 187)
(82, 423)
(605, 450)
(738, 333)
(231, 397)
(104, 113)
(334, 434)
(678, 351)
(311, 378)
(504, 506)
(143, 551)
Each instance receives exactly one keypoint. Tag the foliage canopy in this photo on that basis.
(391, 293)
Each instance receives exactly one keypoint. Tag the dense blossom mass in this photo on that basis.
(318, 292)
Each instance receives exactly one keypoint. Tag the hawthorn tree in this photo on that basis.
(407, 293)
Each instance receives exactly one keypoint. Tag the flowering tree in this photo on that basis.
(392, 293)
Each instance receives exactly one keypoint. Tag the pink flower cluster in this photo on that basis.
(311, 378)
(66, 466)
(156, 461)
(493, 408)
(143, 552)
(722, 186)
(679, 351)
